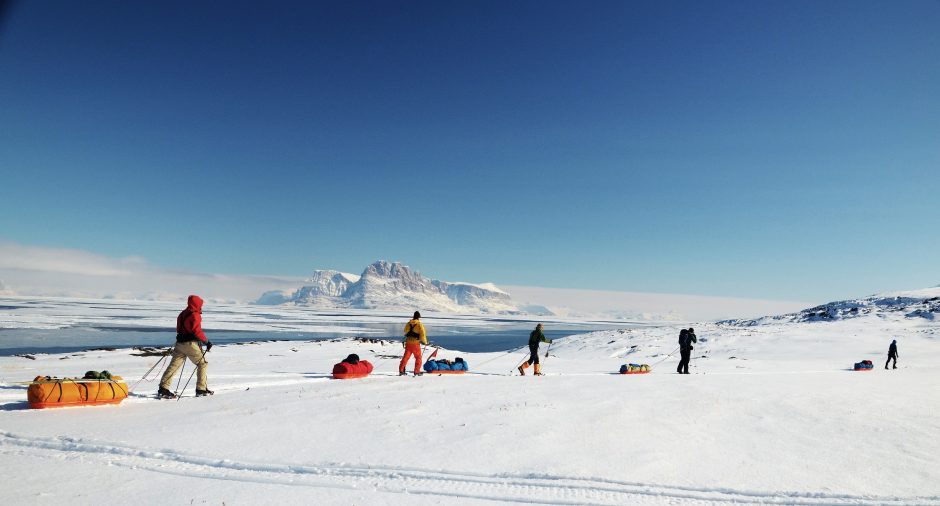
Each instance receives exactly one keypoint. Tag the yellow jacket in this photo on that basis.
(418, 329)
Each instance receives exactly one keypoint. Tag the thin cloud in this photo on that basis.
(40, 271)
(647, 306)
(66, 261)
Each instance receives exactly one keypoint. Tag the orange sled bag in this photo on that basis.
(45, 392)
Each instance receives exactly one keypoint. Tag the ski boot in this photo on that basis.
(203, 393)
(538, 369)
(522, 368)
(163, 393)
(403, 373)
(420, 373)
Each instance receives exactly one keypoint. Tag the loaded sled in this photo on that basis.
(457, 366)
(864, 365)
(351, 367)
(635, 369)
(92, 390)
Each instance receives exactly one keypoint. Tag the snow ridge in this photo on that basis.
(912, 304)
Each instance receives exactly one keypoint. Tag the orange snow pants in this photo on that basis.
(411, 348)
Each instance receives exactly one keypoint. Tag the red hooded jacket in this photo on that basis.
(189, 322)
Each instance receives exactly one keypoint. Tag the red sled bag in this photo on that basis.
(352, 368)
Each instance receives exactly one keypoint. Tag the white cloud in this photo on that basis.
(66, 261)
(34, 270)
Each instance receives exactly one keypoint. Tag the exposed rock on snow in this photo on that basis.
(911, 304)
(324, 284)
(391, 285)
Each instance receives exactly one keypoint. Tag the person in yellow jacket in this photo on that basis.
(414, 338)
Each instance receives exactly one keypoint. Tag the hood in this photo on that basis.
(194, 304)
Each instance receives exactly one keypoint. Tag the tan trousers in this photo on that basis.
(181, 352)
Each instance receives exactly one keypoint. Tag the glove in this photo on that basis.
(208, 346)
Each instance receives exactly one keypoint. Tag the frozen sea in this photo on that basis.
(53, 325)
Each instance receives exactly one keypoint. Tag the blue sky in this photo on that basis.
(782, 150)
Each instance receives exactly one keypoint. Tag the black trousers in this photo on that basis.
(686, 356)
(890, 358)
(534, 351)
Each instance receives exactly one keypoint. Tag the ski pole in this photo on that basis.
(546, 349)
(524, 360)
(191, 375)
(183, 368)
(165, 355)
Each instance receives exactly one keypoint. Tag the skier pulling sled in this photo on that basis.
(892, 354)
(415, 336)
(535, 337)
(189, 336)
(686, 338)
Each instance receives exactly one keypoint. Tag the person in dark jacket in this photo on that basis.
(535, 337)
(893, 354)
(189, 335)
(686, 338)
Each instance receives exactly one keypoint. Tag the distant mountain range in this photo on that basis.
(391, 285)
(923, 303)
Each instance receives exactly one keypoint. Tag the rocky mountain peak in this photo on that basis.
(393, 285)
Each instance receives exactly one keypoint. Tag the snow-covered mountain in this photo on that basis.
(923, 303)
(392, 285)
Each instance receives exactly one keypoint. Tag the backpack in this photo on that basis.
(411, 332)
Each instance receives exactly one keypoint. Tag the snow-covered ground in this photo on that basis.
(771, 415)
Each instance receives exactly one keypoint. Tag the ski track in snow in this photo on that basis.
(507, 487)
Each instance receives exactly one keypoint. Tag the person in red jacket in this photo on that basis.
(189, 335)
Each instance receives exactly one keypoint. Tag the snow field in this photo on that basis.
(784, 422)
